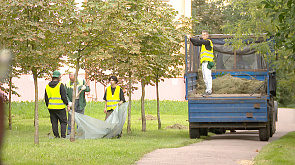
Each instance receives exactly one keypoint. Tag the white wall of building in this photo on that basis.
(182, 6)
(170, 89)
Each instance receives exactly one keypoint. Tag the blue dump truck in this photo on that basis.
(253, 109)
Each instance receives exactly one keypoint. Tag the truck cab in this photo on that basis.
(247, 109)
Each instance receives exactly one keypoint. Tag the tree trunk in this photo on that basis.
(95, 83)
(36, 121)
(142, 106)
(158, 105)
(9, 104)
(129, 106)
(1, 121)
(72, 138)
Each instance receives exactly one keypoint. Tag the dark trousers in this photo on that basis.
(61, 116)
(78, 110)
(109, 112)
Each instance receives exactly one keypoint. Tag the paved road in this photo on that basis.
(227, 149)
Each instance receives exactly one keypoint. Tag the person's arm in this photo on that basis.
(67, 91)
(46, 98)
(197, 42)
(63, 94)
(64, 97)
(105, 107)
(87, 89)
(105, 99)
(122, 97)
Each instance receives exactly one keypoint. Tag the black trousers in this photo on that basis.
(61, 116)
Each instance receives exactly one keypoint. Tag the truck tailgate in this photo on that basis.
(228, 110)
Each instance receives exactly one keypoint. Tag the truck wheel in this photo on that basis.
(276, 110)
(275, 118)
(204, 131)
(223, 130)
(218, 130)
(271, 121)
(264, 133)
(194, 133)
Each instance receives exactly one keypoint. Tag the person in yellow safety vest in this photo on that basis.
(113, 97)
(80, 101)
(206, 60)
(56, 102)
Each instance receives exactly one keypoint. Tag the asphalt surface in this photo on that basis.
(239, 148)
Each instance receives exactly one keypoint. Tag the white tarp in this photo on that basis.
(91, 128)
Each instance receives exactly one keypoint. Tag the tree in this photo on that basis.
(166, 58)
(209, 15)
(139, 32)
(10, 73)
(118, 54)
(32, 32)
(160, 46)
(84, 38)
(281, 13)
(9, 91)
(274, 18)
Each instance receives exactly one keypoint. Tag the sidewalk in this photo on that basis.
(226, 149)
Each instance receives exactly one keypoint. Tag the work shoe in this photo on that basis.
(206, 94)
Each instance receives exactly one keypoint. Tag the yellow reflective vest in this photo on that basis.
(207, 55)
(113, 100)
(54, 97)
(80, 82)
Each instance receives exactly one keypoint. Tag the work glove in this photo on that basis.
(70, 104)
(83, 88)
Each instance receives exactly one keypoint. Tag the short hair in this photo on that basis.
(55, 78)
(114, 78)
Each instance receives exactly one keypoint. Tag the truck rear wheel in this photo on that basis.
(264, 133)
(194, 133)
(204, 132)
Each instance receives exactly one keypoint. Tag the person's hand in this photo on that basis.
(70, 104)
(69, 108)
(105, 110)
(83, 88)
(120, 102)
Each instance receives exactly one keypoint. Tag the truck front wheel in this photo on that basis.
(194, 133)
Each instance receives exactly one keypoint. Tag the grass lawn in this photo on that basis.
(19, 147)
(279, 152)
